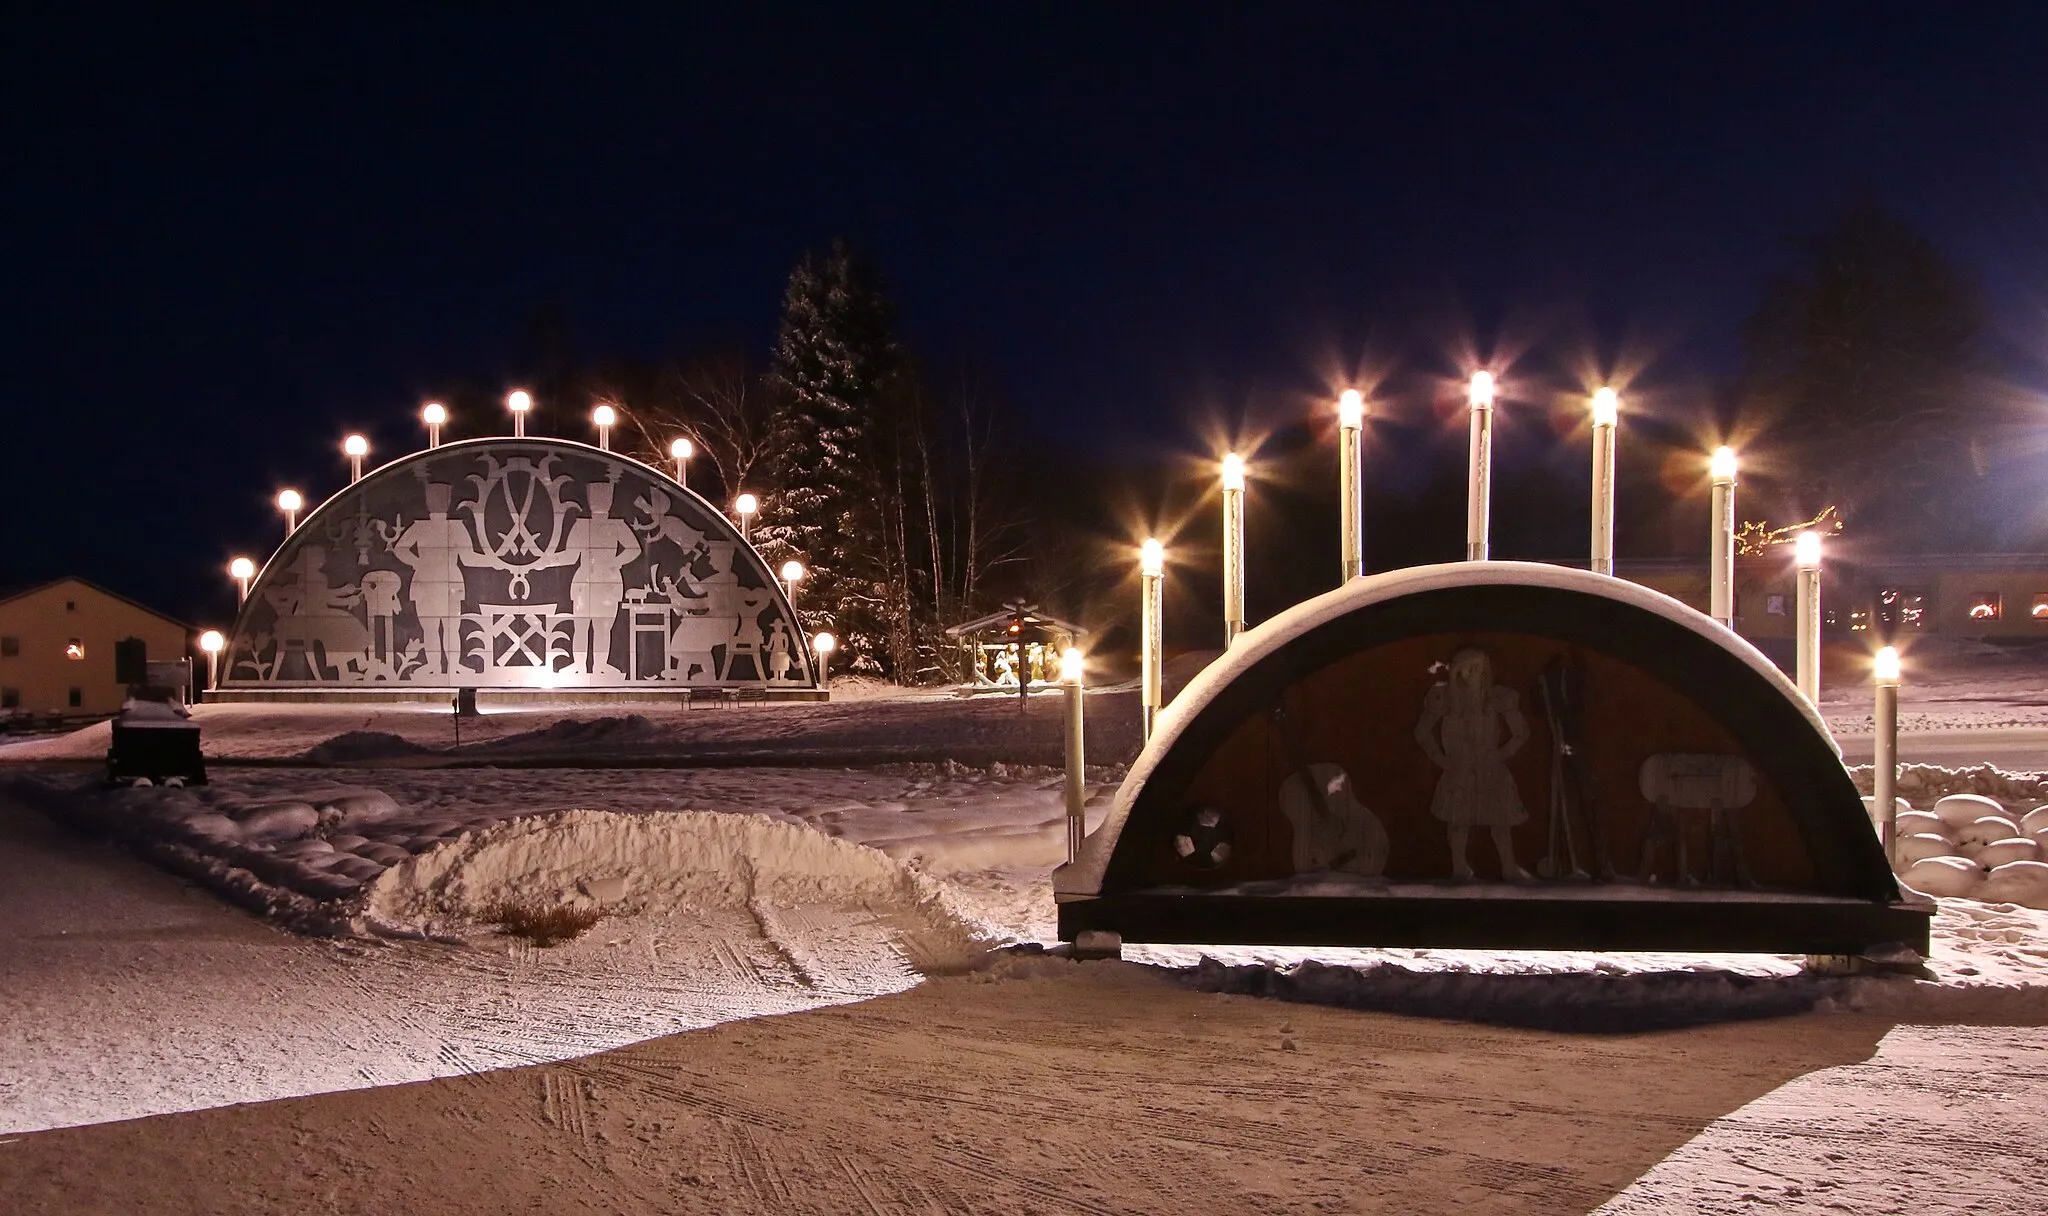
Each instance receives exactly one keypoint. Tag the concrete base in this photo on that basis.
(489, 699)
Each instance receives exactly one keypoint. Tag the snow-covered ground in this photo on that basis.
(909, 832)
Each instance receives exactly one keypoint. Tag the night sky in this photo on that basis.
(228, 239)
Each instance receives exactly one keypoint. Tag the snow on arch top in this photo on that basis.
(515, 563)
(1491, 754)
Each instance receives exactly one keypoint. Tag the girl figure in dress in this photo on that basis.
(1463, 719)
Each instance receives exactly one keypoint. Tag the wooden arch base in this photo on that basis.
(1492, 755)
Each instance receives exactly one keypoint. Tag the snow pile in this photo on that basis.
(1970, 846)
(1928, 781)
(663, 864)
(358, 745)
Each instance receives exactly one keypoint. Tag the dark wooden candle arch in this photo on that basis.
(1656, 783)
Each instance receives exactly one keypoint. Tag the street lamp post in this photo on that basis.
(1233, 547)
(355, 447)
(822, 645)
(1076, 792)
(1606, 414)
(1884, 749)
(1721, 558)
(746, 505)
(241, 570)
(1151, 658)
(680, 451)
(1479, 480)
(1806, 556)
(435, 415)
(605, 417)
(519, 402)
(290, 502)
(1350, 490)
(792, 572)
(211, 642)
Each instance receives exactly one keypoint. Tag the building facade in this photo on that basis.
(1987, 596)
(57, 648)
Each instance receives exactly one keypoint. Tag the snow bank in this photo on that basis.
(660, 864)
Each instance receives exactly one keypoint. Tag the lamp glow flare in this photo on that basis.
(1606, 414)
(241, 570)
(1071, 664)
(355, 447)
(290, 502)
(1806, 665)
(211, 643)
(680, 451)
(746, 505)
(435, 415)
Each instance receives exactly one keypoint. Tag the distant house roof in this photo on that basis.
(96, 589)
(1032, 616)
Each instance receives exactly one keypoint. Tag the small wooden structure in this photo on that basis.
(1021, 645)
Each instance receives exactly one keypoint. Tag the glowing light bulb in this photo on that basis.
(1806, 550)
(604, 415)
(823, 643)
(211, 641)
(434, 414)
(290, 500)
(1351, 408)
(1481, 392)
(519, 402)
(1886, 670)
(1152, 556)
(355, 446)
(1723, 465)
(1606, 407)
(1070, 665)
(792, 571)
(682, 449)
(1233, 471)
(746, 504)
(241, 567)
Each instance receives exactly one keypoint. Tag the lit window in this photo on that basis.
(75, 649)
(1898, 608)
(1987, 606)
(77, 697)
(1859, 619)
(2040, 612)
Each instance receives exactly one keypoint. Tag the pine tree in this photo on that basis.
(837, 365)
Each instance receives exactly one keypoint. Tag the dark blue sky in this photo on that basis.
(227, 238)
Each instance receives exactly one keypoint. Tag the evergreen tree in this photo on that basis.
(837, 367)
(1865, 357)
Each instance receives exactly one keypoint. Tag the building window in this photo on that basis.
(1899, 608)
(1859, 620)
(10, 698)
(77, 696)
(74, 649)
(1774, 605)
(10, 648)
(1987, 606)
(2040, 611)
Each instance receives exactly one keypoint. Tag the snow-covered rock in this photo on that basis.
(1915, 823)
(279, 821)
(2017, 882)
(2035, 821)
(1961, 810)
(1945, 876)
(1999, 852)
(1971, 838)
(1923, 844)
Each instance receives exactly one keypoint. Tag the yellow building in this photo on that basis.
(57, 648)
